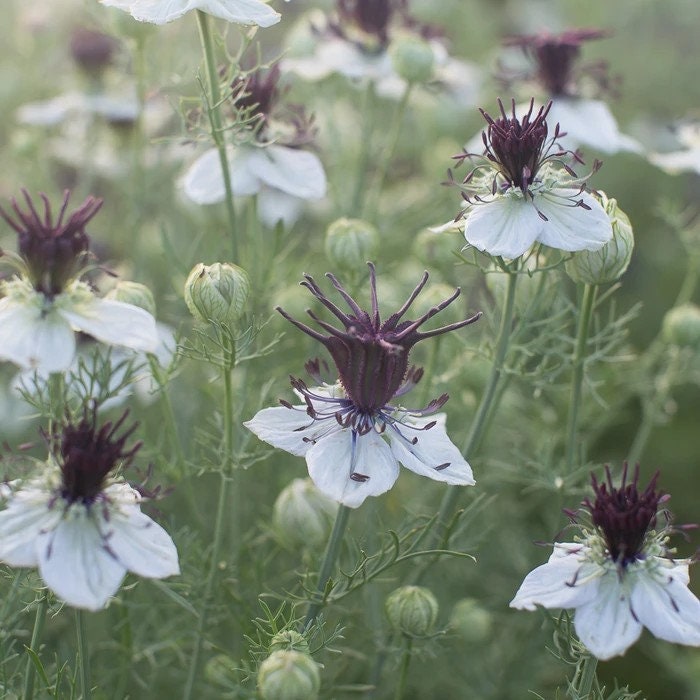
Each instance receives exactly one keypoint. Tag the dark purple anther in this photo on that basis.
(258, 93)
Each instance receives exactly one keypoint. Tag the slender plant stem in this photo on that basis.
(29, 671)
(403, 669)
(216, 121)
(587, 678)
(368, 108)
(584, 323)
(329, 559)
(84, 654)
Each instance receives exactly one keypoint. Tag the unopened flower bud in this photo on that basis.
(681, 326)
(350, 243)
(217, 292)
(608, 263)
(471, 621)
(412, 610)
(289, 639)
(289, 675)
(221, 670)
(133, 293)
(302, 516)
(412, 59)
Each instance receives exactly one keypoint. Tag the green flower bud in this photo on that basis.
(302, 516)
(350, 243)
(412, 610)
(221, 670)
(471, 621)
(608, 263)
(289, 675)
(681, 326)
(412, 59)
(133, 293)
(289, 639)
(217, 292)
(437, 248)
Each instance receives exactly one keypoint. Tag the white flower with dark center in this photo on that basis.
(352, 437)
(46, 302)
(162, 11)
(522, 191)
(82, 529)
(619, 576)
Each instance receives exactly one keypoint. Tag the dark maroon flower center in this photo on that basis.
(91, 50)
(54, 251)
(87, 454)
(373, 17)
(624, 515)
(258, 93)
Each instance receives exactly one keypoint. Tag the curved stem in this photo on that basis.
(29, 671)
(83, 653)
(403, 669)
(214, 112)
(584, 322)
(329, 559)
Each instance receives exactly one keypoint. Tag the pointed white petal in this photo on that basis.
(432, 449)
(565, 581)
(275, 206)
(678, 161)
(663, 603)
(572, 227)
(292, 170)
(76, 564)
(203, 182)
(334, 458)
(506, 226)
(35, 341)
(606, 624)
(114, 322)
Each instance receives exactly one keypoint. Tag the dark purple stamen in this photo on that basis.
(624, 515)
(371, 16)
(258, 93)
(54, 251)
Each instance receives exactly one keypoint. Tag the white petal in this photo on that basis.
(432, 449)
(115, 323)
(572, 227)
(565, 581)
(35, 341)
(335, 457)
(292, 170)
(678, 161)
(76, 564)
(506, 226)
(50, 112)
(666, 607)
(275, 206)
(606, 624)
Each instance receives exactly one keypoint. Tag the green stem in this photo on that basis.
(403, 670)
(329, 559)
(368, 108)
(37, 632)
(214, 111)
(584, 322)
(587, 678)
(84, 655)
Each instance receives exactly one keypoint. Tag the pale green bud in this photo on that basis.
(289, 639)
(412, 58)
(350, 243)
(133, 293)
(681, 326)
(412, 610)
(608, 263)
(471, 621)
(289, 675)
(221, 670)
(302, 516)
(217, 292)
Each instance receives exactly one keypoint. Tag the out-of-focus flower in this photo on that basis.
(522, 191)
(275, 164)
(162, 11)
(686, 159)
(81, 528)
(620, 574)
(45, 302)
(353, 439)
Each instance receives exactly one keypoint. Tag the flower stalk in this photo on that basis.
(84, 655)
(37, 632)
(403, 669)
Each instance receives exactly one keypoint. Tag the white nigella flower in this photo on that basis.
(521, 191)
(162, 11)
(619, 576)
(46, 302)
(687, 159)
(353, 439)
(275, 165)
(82, 529)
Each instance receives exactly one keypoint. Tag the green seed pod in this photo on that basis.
(681, 326)
(221, 670)
(471, 621)
(289, 675)
(217, 292)
(412, 610)
(350, 243)
(133, 293)
(412, 58)
(302, 516)
(289, 639)
(608, 263)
